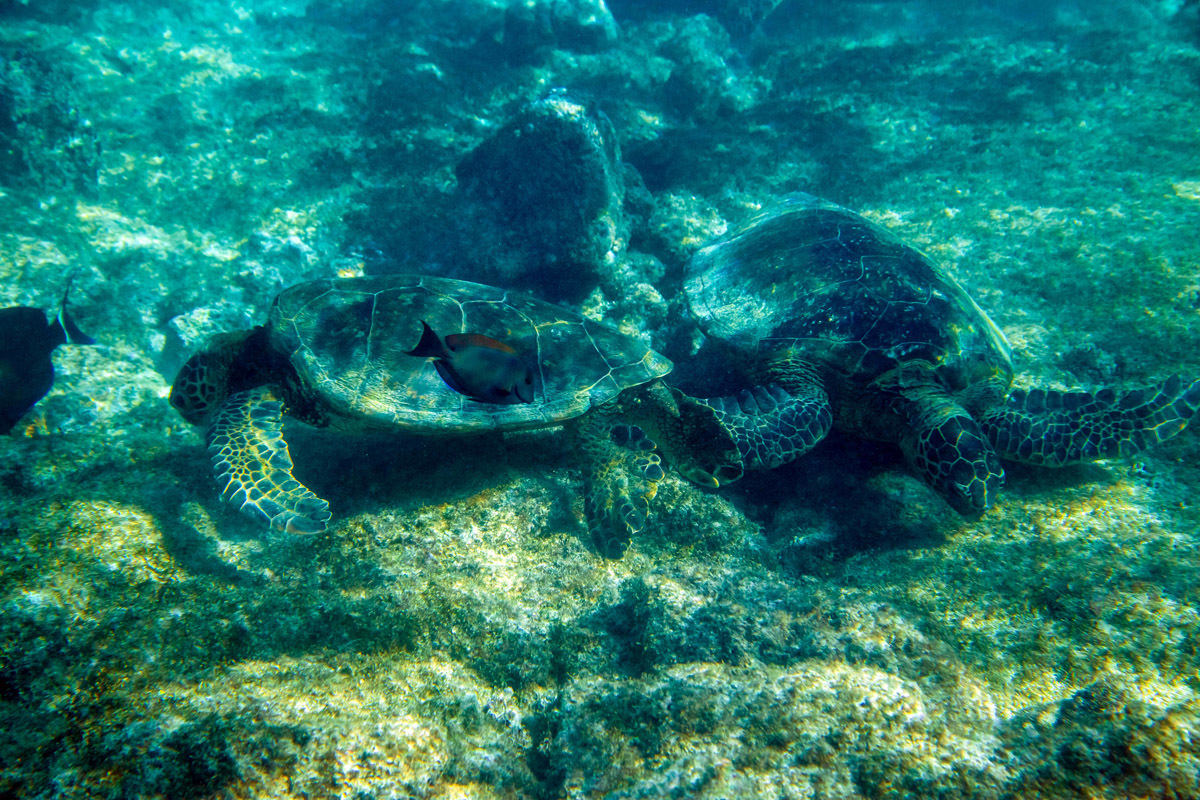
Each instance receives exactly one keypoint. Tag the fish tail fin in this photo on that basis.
(430, 346)
(71, 334)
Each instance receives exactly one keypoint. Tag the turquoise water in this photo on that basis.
(830, 628)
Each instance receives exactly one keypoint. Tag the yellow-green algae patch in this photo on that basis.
(371, 723)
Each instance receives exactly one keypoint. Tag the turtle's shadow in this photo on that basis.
(356, 474)
(1031, 481)
(366, 474)
(860, 495)
(853, 492)
(285, 593)
(197, 528)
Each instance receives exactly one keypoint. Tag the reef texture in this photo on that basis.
(830, 629)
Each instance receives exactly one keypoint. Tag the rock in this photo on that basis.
(739, 17)
(1103, 737)
(702, 87)
(543, 199)
(532, 27)
(46, 143)
(187, 332)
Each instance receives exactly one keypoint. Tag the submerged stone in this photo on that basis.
(532, 27)
(550, 188)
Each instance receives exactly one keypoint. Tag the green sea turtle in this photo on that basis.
(350, 354)
(843, 325)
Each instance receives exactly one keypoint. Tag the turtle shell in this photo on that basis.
(347, 338)
(842, 291)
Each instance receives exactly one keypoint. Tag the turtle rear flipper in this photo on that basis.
(252, 464)
(1054, 429)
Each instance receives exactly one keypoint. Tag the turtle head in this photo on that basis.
(209, 376)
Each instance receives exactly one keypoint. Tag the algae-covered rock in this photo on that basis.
(739, 17)
(186, 333)
(703, 84)
(47, 142)
(1102, 737)
(546, 193)
(535, 26)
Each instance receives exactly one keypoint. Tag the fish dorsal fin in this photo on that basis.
(457, 341)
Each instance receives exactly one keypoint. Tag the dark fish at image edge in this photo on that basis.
(477, 366)
(27, 339)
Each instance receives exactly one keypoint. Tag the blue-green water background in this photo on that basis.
(829, 629)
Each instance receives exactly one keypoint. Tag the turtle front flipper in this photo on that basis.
(253, 466)
(1054, 429)
(622, 471)
(771, 425)
(947, 447)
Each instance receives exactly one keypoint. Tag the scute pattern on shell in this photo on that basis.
(347, 340)
(846, 292)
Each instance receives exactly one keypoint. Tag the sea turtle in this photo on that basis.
(843, 325)
(341, 353)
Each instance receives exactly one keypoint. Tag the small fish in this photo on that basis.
(27, 339)
(478, 366)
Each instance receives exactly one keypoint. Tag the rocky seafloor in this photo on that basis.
(830, 629)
